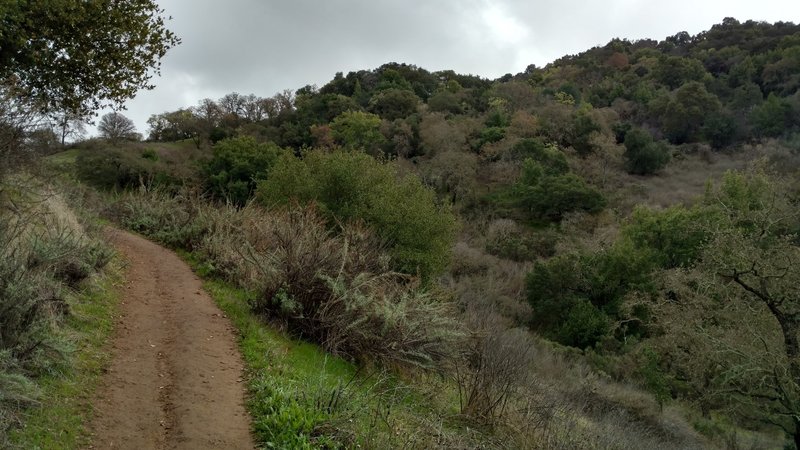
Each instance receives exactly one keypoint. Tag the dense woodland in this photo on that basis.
(447, 225)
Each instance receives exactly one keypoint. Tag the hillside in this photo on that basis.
(598, 253)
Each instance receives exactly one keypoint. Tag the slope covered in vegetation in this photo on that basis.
(599, 253)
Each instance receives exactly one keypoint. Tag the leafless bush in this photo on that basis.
(480, 280)
(496, 364)
(506, 239)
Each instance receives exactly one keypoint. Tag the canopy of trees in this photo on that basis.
(68, 55)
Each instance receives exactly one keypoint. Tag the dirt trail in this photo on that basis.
(175, 380)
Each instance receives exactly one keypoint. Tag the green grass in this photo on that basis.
(60, 419)
(282, 374)
(65, 159)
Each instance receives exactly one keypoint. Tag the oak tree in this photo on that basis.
(81, 55)
(116, 127)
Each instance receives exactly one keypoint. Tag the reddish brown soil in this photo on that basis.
(175, 380)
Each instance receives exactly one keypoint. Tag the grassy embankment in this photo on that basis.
(57, 305)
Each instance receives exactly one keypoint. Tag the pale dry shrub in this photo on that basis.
(506, 239)
(438, 134)
(498, 172)
(523, 125)
(334, 288)
(478, 279)
(175, 220)
(495, 365)
(469, 260)
(380, 317)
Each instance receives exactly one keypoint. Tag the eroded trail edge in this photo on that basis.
(175, 380)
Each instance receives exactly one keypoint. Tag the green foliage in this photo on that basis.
(150, 154)
(67, 54)
(392, 104)
(498, 118)
(291, 380)
(655, 380)
(445, 101)
(584, 325)
(643, 155)
(354, 186)
(42, 258)
(123, 168)
(720, 130)
(685, 112)
(552, 159)
(675, 235)
(359, 131)
(575, 297)
(583, 128)
(173, 126)
(674, 71)
(738, 303)
(236, 167)
(61, 414)
(490, 135)
(391, 78)
(543, 195)
(773, 117)
(302, 397)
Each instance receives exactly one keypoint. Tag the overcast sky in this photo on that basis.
(266, 46)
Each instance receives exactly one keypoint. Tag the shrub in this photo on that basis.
(175, 220)
(354, 186)
(575, 296)
(236, 167)
(496, 364)
(117, 168)
(392, 103)
(358, 130)
(675, 235)
(338, 290)
(773, 117)
(583, 326)
(549, 156)
(150, 154)
(545, 196)
(644, 157)
(490, 135)
(506, 239)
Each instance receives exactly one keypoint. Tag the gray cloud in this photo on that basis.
(265, 46)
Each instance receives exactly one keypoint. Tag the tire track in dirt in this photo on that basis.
(175, 379)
